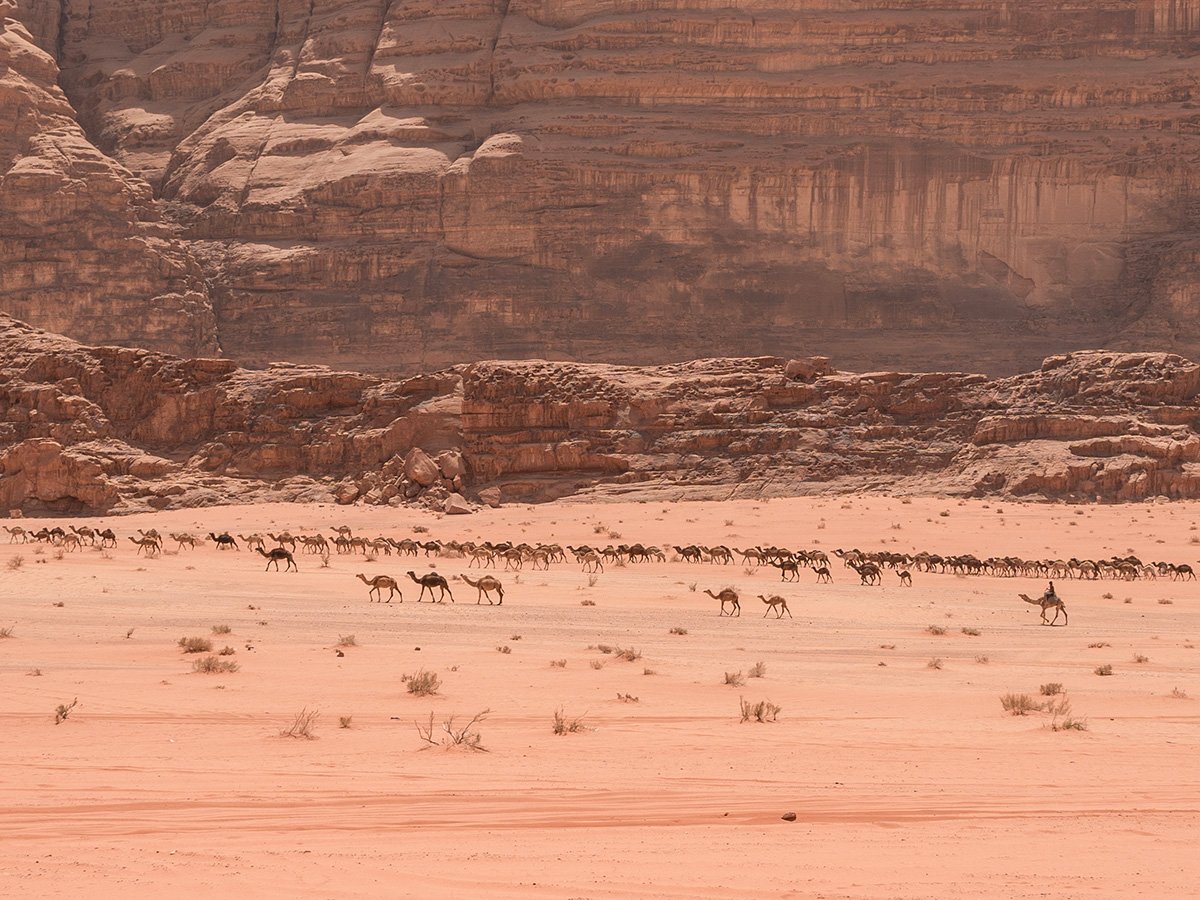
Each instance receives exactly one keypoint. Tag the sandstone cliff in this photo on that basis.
(115, 429)
(407, 185)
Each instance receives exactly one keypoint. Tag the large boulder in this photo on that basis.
(457, 505)
(420, 469)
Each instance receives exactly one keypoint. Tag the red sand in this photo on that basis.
(907, 781)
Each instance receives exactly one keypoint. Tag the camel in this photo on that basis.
(540, 555)
(316, 544)
(430, 581)
(720, 554)
(274, 556)
(343, 531)
(823, 576)
(776, 603)
(71, 542)
(690, 553)
(224, 541)
(592, 558)
(1048, 600)
(107, 538)
(785, 567)
(730, 596)
(15, 533)
(513, 559)
(378, 583)
(485, 586)
(868, 573)
(183, 539)
(149, 545)
(285, 538)
(252, 540)
(905, 577)
(85, 533)
(152, 533)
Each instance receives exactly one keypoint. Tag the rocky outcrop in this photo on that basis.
(410, 185)
(105, 428)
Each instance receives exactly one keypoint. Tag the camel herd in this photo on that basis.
(869, 567)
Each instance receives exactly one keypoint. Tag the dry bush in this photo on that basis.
(605, 648)
(558, 663)
(597, 664)
(565, 725)
(1175, 692)
(36, 673)
(59, 603)
(758, 670)
(1061, 718)
(1051, 689)
(504, 648)
(423, 683)
(935, 663)
(629, 654)
(302, 725)
(212, 665)
(515, 637)
(749, 572)
(762, 711)
(221, 629)
(15, 562)
(735, 679)
(983, 659)
(692, 586)
(195, 645)
(1103, 670)
(63, 710)
(1099, 645)
(1140, 658)
(1019, 704)
(60, 555)
(627, 698)
(129, 633)
(593, 580)
(227, 651)
(599, 529)
(678, 630)
(1163, 601)
(971, 632)
(1106, 596)
(587, 602)
(936, 629)
(347, 640)
(649, 672)
(344, 721)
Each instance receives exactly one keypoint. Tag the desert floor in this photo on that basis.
(907, 780)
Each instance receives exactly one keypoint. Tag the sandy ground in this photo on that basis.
(906, 780)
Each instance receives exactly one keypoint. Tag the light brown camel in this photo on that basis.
(485, 586)
(285, 538)
(905, 577)
(428, 582)
(184, 538)
(252, 540)
(730, 596)
(378, 583)
(777, 603)
(274, 556)
(149, 545)
(592, 558)
(1048, 600)
(15, 533)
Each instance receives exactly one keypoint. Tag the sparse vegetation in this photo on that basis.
(887, 646)
(1175, 692)
(629, 654)
(515, 637)
(221, 629)
(597, 664)
(563, 724)
(1051, 689)
(195, 645)
(762, 711)
(558, 663)
(302, 725)
(758, 670)
(347, 640)
(63, 710)
(1107, 595)
(453, 735)
(593, 580)
(212, 665)
(423, 683)
(15, 562)
(1140, 658)
(1019, 704)
(627, 698)
(1164, 601)
(504, 648)
(649, 672)
(735, 679)
(129, 633)
(227, 651)
(935, 663)
(605, 648)
(36, 673)
(1103, 670)
(936, 629)
(692, 586)
(972, 632)
(1098, 645)
(678, 630)
(983, 659)
(344, 721)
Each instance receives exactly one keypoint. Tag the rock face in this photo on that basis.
(113, 429)
(408, 185)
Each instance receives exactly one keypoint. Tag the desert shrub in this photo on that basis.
(423, 683)
(678, 630)
(195, 644)
(558, 663)
(1178, 694)
(936, 629)
(1139, 658)
(971, 632)
(597, 664)
(1097, 645)
(605, 648)
(629, 654)
(1103, 670)
(1051, 689)
(593, 580)
(344, 721)
(734, 679)
(627, 698)
(15, 562)
(454, 735)
(1163, 601)
(302, 725)
(758, 670)
(935, 663)
(692, 586)
(1107, 595)
(63, 710)
(347, 640)
(564, 724)
(982, 659)
(649, 672)
(587, 602)
(227, 651)
(1018, 704)
(762, 711)
(504, 648)
(221, 629)
(212, 665)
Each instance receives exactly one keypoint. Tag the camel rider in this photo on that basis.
(1050, 594)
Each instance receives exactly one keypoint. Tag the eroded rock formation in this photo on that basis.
(412, 184)
(104, 428)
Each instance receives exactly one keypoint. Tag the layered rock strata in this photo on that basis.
(408, 185)
(89, 429)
